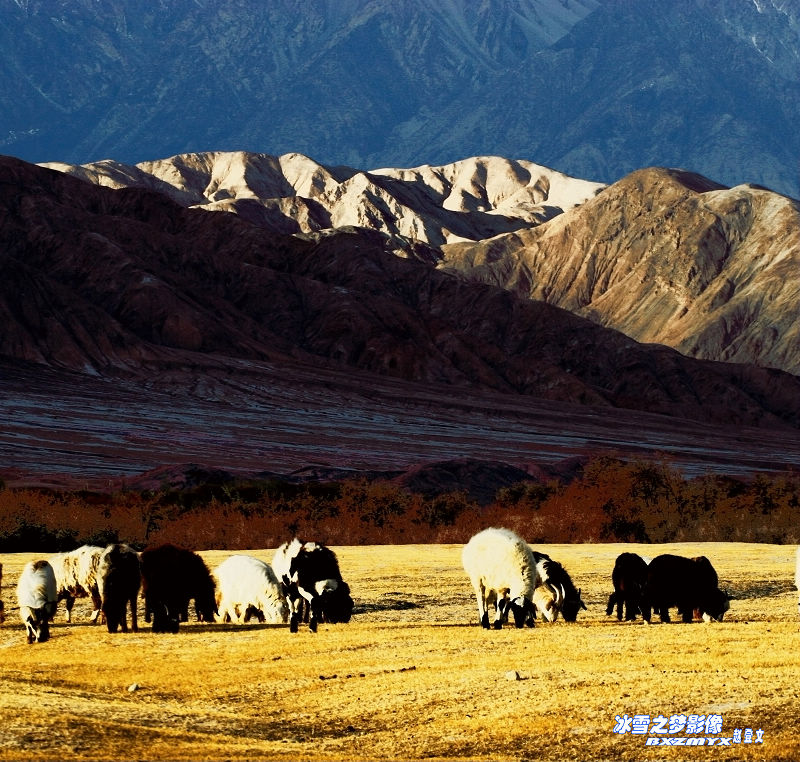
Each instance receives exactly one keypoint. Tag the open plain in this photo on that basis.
(412, 675)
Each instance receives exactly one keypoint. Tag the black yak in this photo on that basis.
(629, 579)
(171, 577)
(690, 584)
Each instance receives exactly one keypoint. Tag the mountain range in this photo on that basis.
(472, 199)
(594, 88)
(138, 331)
(664, 256)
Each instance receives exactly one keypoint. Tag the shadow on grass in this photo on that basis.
(762, 588)
(389, 602)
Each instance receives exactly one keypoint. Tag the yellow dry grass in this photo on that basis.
(413, 676)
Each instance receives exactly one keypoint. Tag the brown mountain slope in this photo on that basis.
(127, 281)
(664, 256)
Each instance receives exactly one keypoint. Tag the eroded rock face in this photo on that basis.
(665, 257)
(468, 200)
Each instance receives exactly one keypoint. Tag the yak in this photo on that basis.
(690, 584)
(629, 579)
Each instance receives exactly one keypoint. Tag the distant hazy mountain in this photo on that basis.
(594, 88)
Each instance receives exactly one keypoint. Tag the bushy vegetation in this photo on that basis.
(610, 501)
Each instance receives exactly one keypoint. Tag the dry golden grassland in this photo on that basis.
(413, 675)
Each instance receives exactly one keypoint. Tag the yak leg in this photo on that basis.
(483, 613)
(620, 598)
(315, 604)
(30, 629)
(44, 629)
(492, 600)
(522, 614)
(530, 619)
(295, 606)
(502, 604)
(134, 621)
(97, 604)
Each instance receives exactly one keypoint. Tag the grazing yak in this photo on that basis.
(76, 577)
(171, 577)
(567, 598)
(119, 576)
(282, 559)
(247, 586)
(690, 584)
(311, 576)
(37, 599)
(502, 570)
(629, 578)
(281, 565)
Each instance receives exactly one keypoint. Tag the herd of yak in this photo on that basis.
(304, 584)
(508, 576)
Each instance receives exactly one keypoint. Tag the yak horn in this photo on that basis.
(557, 594)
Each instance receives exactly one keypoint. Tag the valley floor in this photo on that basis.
(413, 676)
(73, 431)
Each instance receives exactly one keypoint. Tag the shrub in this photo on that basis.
(612, 500)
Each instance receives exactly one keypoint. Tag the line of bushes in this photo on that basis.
(610, 501)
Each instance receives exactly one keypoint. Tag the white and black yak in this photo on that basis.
(629, 578)
(502, 570)
(120, 578)
(690, 584)
(37, 599)
(76, 577)
(171, 577)
(310, 575)
(247, 586)
(281, 566)
(551, 574)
